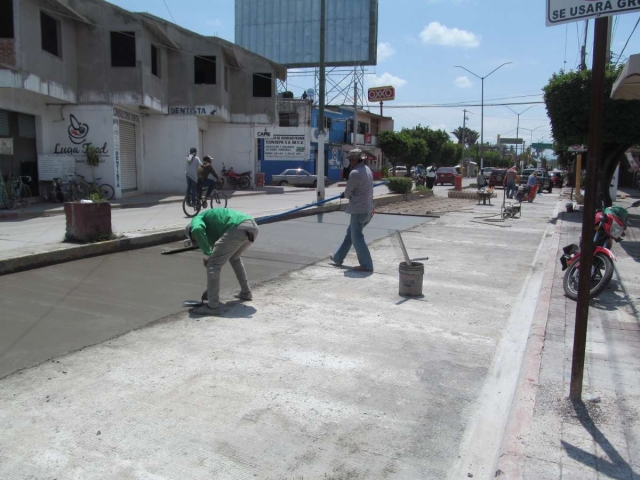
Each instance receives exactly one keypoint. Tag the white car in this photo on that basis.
(401, 171)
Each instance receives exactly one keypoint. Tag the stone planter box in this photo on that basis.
(87, 222)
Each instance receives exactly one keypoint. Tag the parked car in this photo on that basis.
(445, 175)
(497, 176)
(557, 179)
(544, 181)
(401, 171)
(297, 177)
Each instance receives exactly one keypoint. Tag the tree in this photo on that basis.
(401, 148)
(434, 139)
(470, 136)
(567, 97)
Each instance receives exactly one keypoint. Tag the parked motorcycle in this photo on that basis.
(236, 180)
(610, 226)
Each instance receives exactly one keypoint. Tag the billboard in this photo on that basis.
(288, 31)
(381, 94)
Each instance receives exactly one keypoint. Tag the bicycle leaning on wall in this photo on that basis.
(15, 190)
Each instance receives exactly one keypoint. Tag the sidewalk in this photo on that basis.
(548, 436)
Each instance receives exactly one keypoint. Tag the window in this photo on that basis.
(204, 70)
(123, 49)
(50, 33)
(363, 128)
(288, 119)
(6, 18)
(327, 123)
(262, 85)
(155, 61)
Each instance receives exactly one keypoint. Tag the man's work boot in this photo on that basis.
(248, 296)
(206, 310)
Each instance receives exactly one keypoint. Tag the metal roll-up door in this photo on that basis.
(128, 164)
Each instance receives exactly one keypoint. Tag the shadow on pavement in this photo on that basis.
(234, 309)
(615, 467)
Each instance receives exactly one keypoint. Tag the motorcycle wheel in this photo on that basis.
(244, 183)
(602, 272)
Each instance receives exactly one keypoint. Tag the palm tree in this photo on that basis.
(470, 136)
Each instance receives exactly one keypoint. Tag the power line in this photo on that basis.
(170, 14)
(627, 43)
(456, 105)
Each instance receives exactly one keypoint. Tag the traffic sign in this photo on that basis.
(510, 141)
(565, 11)
(382, 94)
(542, 146)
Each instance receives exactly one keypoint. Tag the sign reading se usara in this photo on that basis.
(564, 11)
(383, 94)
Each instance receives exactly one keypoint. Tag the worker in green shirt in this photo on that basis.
(223, 235)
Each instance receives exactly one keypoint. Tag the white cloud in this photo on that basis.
(383, 80)
(385, 50)
(438, 34)
(462, 82)
(216, 22)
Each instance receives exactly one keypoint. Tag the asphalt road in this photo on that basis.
(50, 311)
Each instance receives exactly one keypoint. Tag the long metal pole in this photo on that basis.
(320, 169)
(482, 126)
(517, 135)
(355, 108)
(464, 130)
(591, 184)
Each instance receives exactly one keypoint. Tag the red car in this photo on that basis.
(445, 175)
(556, 179)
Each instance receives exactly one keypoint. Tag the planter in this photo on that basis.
(87, 222)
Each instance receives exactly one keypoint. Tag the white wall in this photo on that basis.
(235, 145)
(167, 140)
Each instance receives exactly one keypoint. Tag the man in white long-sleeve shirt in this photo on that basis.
(359, 191)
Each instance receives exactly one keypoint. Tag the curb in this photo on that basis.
(513, 451)
(77, 252)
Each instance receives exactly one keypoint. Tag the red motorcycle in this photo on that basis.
(610, 226)
(236, 180)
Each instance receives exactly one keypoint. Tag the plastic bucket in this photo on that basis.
(411, 279)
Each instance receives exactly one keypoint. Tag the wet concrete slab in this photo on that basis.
(51, 311)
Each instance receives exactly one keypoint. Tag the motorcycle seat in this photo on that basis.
(244, 174)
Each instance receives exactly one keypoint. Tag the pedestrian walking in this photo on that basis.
(193, 162)
(223, 235)
(359, 191)
(509, 181)
(431, 176)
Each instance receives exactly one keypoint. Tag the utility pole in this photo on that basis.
(321, 133)
(355, 108)
(583, 49)
(464, 131)
(609, 28)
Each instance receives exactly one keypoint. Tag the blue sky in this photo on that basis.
(420, 41)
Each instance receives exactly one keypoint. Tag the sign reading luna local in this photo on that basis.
(285, 147)
(564, 11)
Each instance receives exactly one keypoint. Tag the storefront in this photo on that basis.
(19, 155)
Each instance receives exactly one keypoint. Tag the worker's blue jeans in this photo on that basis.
(355, 238)
(511, 188)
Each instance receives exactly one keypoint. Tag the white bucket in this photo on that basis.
(411, 279)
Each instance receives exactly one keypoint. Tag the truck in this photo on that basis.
(544, 181)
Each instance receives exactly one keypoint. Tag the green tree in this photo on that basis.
(434, 139)
(401, 148)
(567, 97)
(470, 136)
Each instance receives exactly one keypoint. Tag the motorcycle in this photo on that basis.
(610, 226)
(235, 180)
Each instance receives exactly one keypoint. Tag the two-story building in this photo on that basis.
(79, 73)
(298, 120)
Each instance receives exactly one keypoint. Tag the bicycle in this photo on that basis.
(16, 190)
(105, 190)
(63, 190)
(218, 200)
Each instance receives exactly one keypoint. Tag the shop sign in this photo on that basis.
(6, 146)
(77, 132)
(124, 115)
(285, 147)
(209, 110)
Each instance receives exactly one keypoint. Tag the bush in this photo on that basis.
(384, 171)
(421, 188)
(400, 185)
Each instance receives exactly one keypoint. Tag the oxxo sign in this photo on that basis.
(382, 94)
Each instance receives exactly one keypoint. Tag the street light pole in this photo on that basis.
(531, 130)
(482, 105)
(518, 128)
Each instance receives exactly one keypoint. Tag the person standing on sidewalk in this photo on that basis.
(431, 176)
(510, 181)
(482, 182)
(193, 162)
(359, 191)
(223, 235)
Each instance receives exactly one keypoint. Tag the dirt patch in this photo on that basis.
(429, 206)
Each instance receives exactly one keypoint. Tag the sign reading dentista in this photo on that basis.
(564, 11)
(382, 94)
